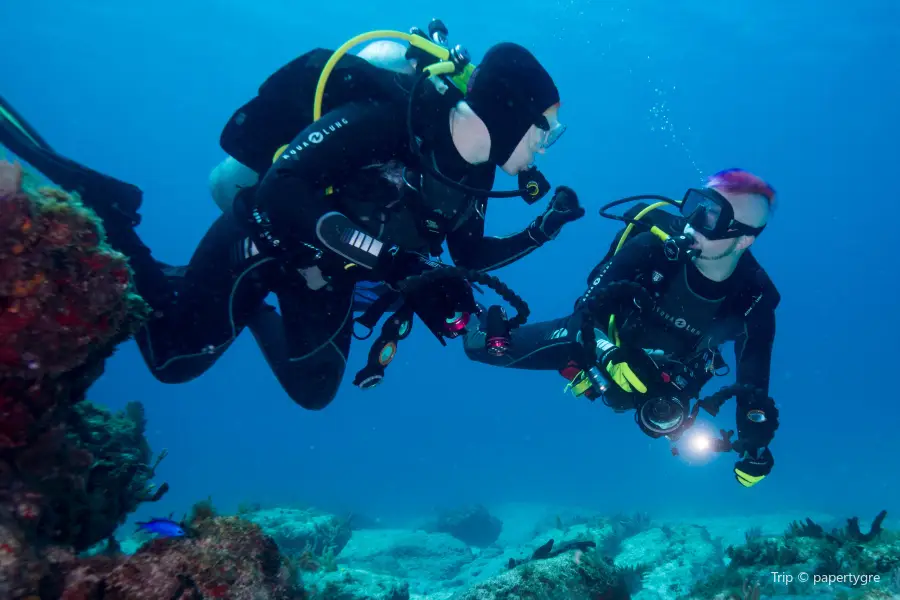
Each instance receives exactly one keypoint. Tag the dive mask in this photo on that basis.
(712, 215)
(549, 135)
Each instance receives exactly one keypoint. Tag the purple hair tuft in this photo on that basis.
(741, 182)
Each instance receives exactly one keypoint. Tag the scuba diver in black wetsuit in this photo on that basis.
(645, 335)
(359, 183)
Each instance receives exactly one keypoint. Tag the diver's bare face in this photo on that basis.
(530, 145)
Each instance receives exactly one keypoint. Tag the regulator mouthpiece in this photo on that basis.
(438, 32)
(533, 184)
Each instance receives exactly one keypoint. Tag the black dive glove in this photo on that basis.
(755, 464)
(757, 420)
(439, 301)
(563, 208)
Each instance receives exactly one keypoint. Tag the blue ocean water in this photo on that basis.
(655, 95)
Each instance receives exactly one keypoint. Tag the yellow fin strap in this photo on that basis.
(746, 479)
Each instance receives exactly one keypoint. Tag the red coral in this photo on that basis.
(62, 292)
(63, 296)
(65, 300)
(223, 557)
(23, 571)
(226, 558)
(15, 422)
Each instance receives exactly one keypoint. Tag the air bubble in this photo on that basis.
(661, 122)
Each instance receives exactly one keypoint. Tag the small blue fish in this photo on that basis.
(162, 527)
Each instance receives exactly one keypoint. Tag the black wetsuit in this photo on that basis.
(361, 151)
(287, 224)
(691, 313)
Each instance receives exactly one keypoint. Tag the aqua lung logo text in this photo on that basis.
(752, 304)
(594, 284)
(316, 137)
(676, 321)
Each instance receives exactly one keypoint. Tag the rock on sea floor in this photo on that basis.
(591, 556)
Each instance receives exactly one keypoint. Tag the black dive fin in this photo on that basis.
(109, 197)
(543, 551)
(21, 126)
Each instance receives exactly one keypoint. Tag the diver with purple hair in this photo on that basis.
(646, 333)
(346, 176)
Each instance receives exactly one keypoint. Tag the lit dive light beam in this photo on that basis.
(700, 442)
(696, 446)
